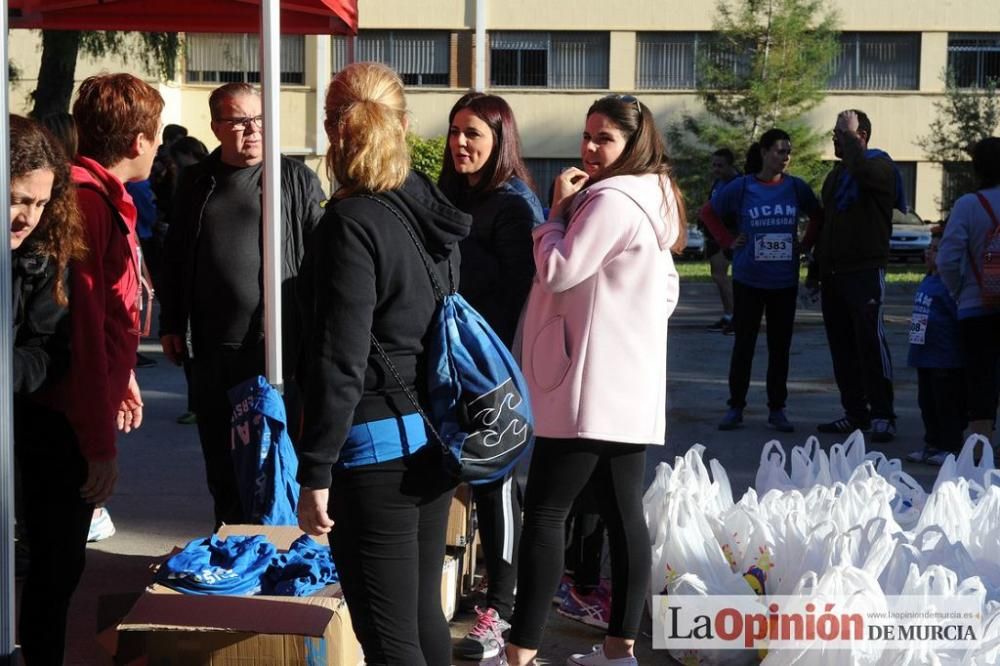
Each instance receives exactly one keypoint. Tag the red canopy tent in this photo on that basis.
(270, 18)
(297, 17)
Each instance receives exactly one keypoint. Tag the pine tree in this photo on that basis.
(964, 117)
(767, 66)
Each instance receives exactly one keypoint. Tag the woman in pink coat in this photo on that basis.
(594, 352)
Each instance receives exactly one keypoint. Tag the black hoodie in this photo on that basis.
(362, 274)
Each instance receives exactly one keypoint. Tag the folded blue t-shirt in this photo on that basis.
(219, 566)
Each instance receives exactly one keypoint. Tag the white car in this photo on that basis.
(695, 248)
(910, 237)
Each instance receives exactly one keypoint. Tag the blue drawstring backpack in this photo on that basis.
(263, 456)
(479, 412)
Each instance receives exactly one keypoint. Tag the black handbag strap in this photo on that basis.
(421, 250)
(439, 296)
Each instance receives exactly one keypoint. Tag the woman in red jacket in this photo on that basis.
(66, 439)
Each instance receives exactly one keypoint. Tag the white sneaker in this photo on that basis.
(596, 657)
(101, 527)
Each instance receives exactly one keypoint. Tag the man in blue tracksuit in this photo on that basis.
(852, 252)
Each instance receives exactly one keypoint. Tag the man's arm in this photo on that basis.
(871, 173)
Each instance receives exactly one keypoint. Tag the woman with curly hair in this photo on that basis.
(46, 234)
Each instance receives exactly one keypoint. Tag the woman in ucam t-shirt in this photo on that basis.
(765, 208)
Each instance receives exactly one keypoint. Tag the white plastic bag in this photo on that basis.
(810, 465)
(964, 467)
(771, 474)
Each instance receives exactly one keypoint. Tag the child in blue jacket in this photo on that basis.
(935, 351)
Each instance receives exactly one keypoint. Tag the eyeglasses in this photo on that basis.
(628, 99)
(240, 124)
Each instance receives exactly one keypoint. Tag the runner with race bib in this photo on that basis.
(766, 208)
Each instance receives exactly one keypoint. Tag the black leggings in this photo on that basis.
(749, 305)
(388, 542)
(560, 468)
(57, 521)
(981, 346)
(498, 506)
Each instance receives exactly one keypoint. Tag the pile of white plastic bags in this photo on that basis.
(842, 522)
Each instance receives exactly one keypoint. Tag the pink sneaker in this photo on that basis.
(593, 609)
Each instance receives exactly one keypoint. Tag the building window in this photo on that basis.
(667, 59)
(420, 57)
(877, 61)
(544, 171)
(974, 58)
(549, 59)
(233, 58)
(908, 171)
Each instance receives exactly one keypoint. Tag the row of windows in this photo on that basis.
(544, 172)
(664, 60)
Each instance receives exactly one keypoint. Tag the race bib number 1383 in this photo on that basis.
(772, 247)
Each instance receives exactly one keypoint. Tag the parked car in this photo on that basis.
(910, 237)
(695, 248)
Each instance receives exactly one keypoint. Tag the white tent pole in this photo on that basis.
(7, 655)
(270, 32)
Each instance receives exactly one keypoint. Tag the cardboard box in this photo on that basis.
(189, 630)
(182, 629)
(460, 518)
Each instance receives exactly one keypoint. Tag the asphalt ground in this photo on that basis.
(161, 499)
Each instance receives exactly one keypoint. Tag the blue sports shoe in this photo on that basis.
(779, 421)
(732, 420)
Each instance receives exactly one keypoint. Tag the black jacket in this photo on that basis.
(41, 326)
(497, 260)
(857, 238)
(301, 196)
(362, 274)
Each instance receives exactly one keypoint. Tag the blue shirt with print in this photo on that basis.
(768, 213)
(934, 335)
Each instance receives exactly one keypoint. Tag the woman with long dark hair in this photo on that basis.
(766, 205)
(484, 175)
(370, 478)
(595, 358)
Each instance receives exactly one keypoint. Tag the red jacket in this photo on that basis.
(104, 311)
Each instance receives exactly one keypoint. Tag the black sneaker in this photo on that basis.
(845, 425)
(720, 325)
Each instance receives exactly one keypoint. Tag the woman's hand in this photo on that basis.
(568, 182)
(739, 242)
(313, 518)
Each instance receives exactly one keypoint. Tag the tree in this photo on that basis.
(157, 51)
(766, 66)
(426, 155)
(964, 117)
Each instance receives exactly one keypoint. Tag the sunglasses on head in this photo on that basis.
(628, 99)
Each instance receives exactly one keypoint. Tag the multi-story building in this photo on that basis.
(551, 59)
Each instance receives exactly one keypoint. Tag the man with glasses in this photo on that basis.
(213, 275)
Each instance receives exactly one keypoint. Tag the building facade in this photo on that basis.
(551, 59)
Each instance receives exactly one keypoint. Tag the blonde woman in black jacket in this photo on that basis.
(370, 478)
